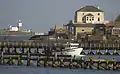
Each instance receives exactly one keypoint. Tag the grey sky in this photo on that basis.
(40, 15)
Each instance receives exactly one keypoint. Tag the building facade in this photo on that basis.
(116, 28)
(83, 29)
(89, 14)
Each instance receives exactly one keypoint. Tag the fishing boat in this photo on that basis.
(73, 49)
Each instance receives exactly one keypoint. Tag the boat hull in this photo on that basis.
(74, 52)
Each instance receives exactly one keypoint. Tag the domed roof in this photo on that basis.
(90, 9)
(118, 18)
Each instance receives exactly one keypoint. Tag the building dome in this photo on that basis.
(90, 9)
(118, 18)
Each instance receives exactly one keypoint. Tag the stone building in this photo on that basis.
(87, 20)
(89, 14)
(83, 29)
(116, 28)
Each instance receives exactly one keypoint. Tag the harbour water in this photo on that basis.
(36, 70)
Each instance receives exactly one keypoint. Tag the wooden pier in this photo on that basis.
(62, 61)
(12, 46)
(28, 53)
(39, 44)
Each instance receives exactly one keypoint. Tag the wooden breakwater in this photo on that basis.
(11, 46)
(36, 46)
(52, 44)
(61, 61)
(28, 53)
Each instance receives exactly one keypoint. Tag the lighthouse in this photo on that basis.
(19, 25)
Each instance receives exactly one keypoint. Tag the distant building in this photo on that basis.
(37, 33)
(19, 25)
(83, 29)
(89, 14)
(116, 28)
(115, 31)
(16, 28)
(13, 28)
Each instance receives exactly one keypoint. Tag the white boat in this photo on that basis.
(73, 50)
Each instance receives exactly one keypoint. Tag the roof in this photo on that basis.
(118, 18)
(84, 25)
(108, 25)
(90, 9)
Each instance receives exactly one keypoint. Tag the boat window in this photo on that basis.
(74, 45)
(69, 50)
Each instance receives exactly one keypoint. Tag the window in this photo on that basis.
(82, 29)
(83, 13)
(98, 19)
(87, 18)
(98, 13)
(82, 19)
(92, 18)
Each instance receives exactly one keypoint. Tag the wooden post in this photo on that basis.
(28, 57)
(98, 65)
(1, 57)
(19, 60)
(8, 50)
(38, 60)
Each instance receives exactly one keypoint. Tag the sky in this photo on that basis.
(41, 15)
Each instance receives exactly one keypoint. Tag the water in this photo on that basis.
(36, 70)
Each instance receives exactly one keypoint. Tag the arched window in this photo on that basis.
(87, 18)
(83, 13)
(92, 18)
(98, 19)
(82, 29)
(82, 19)
(98, 13)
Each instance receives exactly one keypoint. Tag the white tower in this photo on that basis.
(19, 25)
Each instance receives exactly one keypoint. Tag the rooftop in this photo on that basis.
(90, 9)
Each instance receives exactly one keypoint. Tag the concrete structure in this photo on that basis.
(89, 14)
